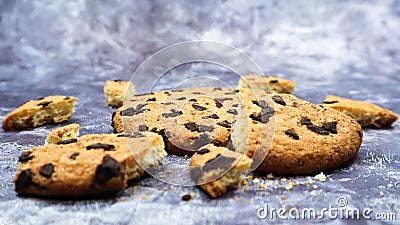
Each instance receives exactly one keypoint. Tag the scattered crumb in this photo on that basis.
(288, 186)
(143, 196)
(250, 177)
(283, 198)
(174, 156)
(263, 186)
(320, 177)
(169, 171)
(186, 156)
(283, 180)
(256, 180)
(238, 199)
(162, 176)
(270, 176)
(315, 186)
(244, 182)
(165, 188)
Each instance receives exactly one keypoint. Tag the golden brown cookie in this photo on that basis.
(366, 114)
(51, 109)
(268, 84)
(217, 170)
(187, 118)
(116, 91)
(56, 135)
(307, 138)
(96, 163)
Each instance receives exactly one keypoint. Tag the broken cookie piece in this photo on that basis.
(366, 114)
(64, 133)
(34, 113)
(217, 170)
(116, 91)
(268, 84)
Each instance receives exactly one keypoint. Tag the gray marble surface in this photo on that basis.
(346, 48)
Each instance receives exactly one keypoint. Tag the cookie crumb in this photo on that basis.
(186, 197)
(320, 177)
(270, 176)
(289, 186)
(143, 196)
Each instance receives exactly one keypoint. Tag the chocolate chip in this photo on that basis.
(24, 180)
(225, 124)
(202, 140)
(118, 80)
(255, 103)
(143, 127)
(25, 156)
(265, 114)
(217, 89)
(108, 169)
(232, 111)
(292, 134)
(181, 98)
(151, 99)
(140, 106)
(44, 103)
(330, 102)
(46, 170)
(203, 151)
(235, 105)
(223, 99)
(197, 93)
(67, 141)
(204, 128)
(136, 135)
(177, 90)
(67, 98)
(186, 197)
(317, 129)
(305, 121)
(112, 119)
(219, 162)
(195, 174)
(278, 99)
(273, 81)
(331, 127)
(192, 126)
(359, 133)
(167, 93)
(198, 107)
(74, 155)
(167, 103)
(237, 90)
(106, 147)
(213, 116)
(173, 113)
(192, 100)
(131, 111)
(218, 104)
(40, 98)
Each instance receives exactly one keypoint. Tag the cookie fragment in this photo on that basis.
(116, 91)
(63, 135)
(268, 84)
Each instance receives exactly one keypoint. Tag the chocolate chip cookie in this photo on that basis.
(117, 90)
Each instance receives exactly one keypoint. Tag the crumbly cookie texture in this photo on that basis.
(117, 90)
(34, 113)
(269, 84)
(366, 114)
(302, 138)
(217, 170)
(96, 163)
(63, 133)
(187, 118)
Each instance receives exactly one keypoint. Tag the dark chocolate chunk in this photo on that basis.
(112, 119)
(195, 174)
(67, 141)
(46, 170)
(167, 103)
(74, 155)
(266, 112)
(186, 197)
(177, 90)
(198, 107)
(140, 106)
(197, 93)
(181, 98)
(255, 103)
(151, 99)
(67, 98)
(154, 130)
(118, 80)
(192, 126)
(44, 103)
(292, 134)
(359, 133)
(225, 124)
(218, 104)
(223, 99)
(235, 105)
(108, 169)
(131, 111)
(305, 121)
(24, 180)
(202, 140)
(330, 102)
(192, 100)
(273, 81)
(143, 127)
(279, 100)
(331, 127)
(173, 113)
(203, 151)
(106, 147)
(317, 129)
(40, 98)
(204, 128)
(237, 90)
(218, 162)
(232, 111)
(217, 89)
(212, 116)
(167, 93)
(136, 135)
(25, 156)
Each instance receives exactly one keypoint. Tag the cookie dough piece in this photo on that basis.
(96, 163)
(34, 113)
(268, 84)
(67, 132)
(116, 91)
(217, 169)
(187, 118)
(302, 138)
(366, 114)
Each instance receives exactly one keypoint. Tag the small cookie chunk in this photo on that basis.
(34, 113)
(366, 114)
(97, 163)
(302, 138)
(64, 133)
(116, 91)
(268, 84)
(217, 170)
(187, 118)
